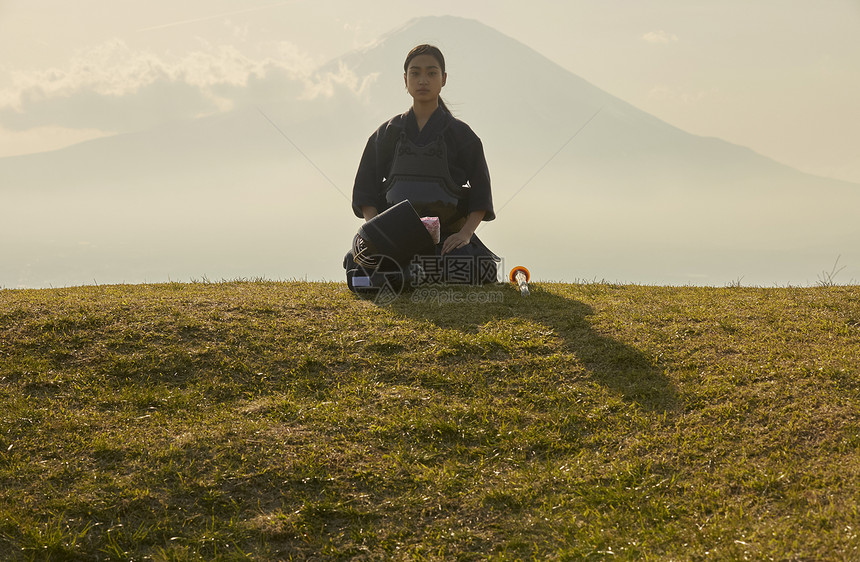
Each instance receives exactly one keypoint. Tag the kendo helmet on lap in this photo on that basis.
(396, 234)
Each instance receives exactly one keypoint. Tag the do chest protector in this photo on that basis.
(420, 175)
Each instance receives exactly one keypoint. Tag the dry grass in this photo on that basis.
(257, 420)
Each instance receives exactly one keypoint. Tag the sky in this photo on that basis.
(778, 76)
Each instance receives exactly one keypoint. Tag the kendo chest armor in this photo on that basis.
(420, 175)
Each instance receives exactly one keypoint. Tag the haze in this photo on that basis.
(778, 77)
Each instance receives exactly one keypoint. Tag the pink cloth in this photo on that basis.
(433, 227)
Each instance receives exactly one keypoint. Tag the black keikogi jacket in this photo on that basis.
(465, 152)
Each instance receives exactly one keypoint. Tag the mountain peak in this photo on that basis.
(457, 38)
(436, 26)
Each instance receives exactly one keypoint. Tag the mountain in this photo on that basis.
(628, 196)
(586, 186)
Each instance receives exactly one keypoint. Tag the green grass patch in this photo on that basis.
(270, 421)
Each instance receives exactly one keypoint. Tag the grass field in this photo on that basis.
(276, 421)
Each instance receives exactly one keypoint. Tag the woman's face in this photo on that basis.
(424, 78)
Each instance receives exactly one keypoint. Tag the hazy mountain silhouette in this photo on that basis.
(627, 197)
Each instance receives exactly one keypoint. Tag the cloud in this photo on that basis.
(327, 84)
(660, 37)
(113, 87)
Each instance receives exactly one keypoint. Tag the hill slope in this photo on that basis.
(277, 420)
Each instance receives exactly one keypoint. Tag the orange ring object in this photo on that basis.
(519, 269)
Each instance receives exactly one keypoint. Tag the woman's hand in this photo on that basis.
(455, 241)
(460, 239)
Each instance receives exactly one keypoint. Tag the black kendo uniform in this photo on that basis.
(441, 170)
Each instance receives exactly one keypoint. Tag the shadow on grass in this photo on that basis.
(624, 369)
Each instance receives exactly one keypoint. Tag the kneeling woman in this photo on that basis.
(434, 161)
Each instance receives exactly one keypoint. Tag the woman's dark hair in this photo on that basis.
(425, 50)
(434, 52)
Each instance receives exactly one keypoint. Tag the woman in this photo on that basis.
(433, 160)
